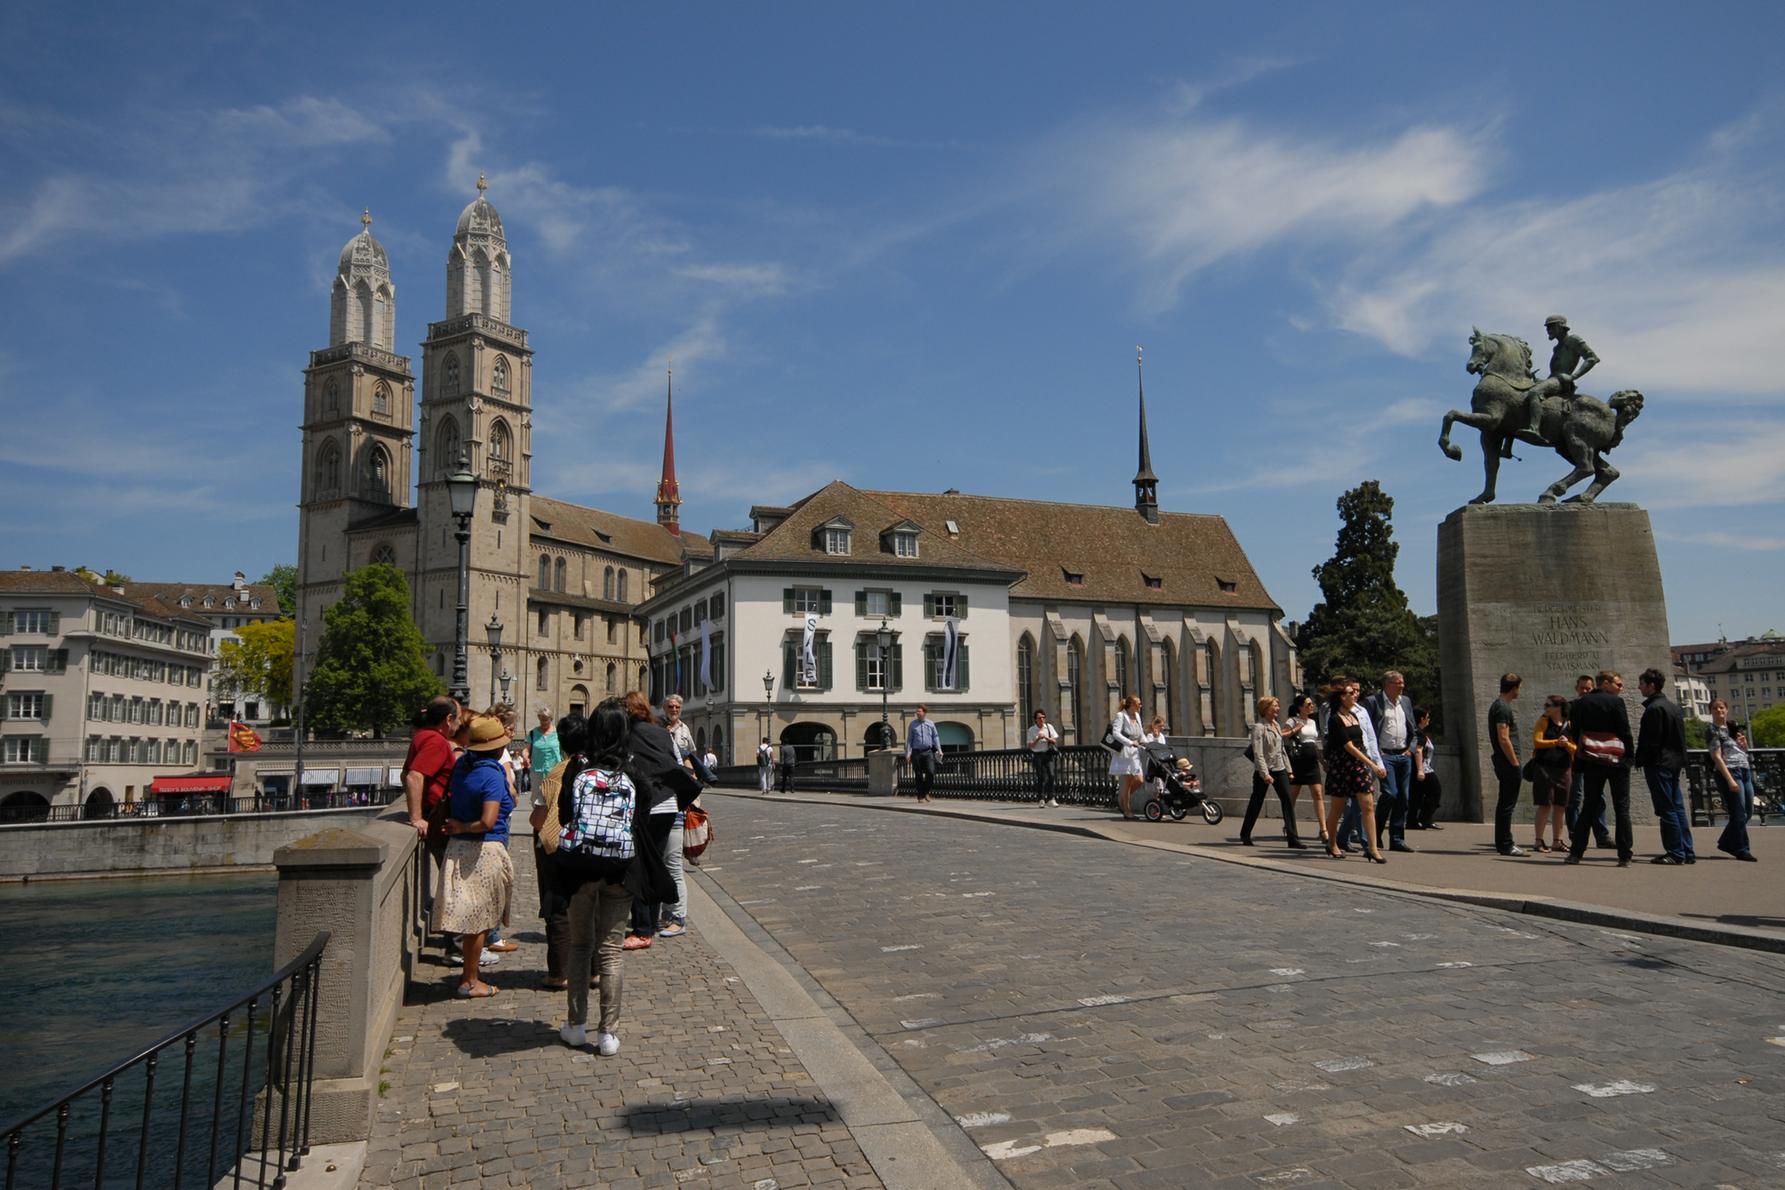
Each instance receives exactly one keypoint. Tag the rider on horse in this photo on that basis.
(1570, 360)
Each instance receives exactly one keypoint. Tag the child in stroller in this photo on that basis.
(1180, 788)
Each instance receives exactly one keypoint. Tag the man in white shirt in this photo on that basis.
(1044, 753)
(1390, 712)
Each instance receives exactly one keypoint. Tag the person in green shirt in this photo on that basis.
(542, 746)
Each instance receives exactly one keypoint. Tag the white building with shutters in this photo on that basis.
(101, 691)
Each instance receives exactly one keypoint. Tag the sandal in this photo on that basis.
(1542, 846)
(482, 991)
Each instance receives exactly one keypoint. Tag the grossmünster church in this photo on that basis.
(560, 579)
(1072, 606)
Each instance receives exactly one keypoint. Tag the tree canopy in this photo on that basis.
(1363, 626)
(259, 663)
(371, 673)
(1768, 728)
(283, 579)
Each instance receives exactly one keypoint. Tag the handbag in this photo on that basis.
(1602, 747)
(1530, 770)
(551, 830)
(697, 833)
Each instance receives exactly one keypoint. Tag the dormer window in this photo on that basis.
(836, 541)
(1154, 582)
(904, 545)
(834, 536)
(1228, 587)
(1074, 578)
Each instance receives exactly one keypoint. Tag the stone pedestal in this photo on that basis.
(1547, 592)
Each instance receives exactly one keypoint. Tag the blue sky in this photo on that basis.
(909, 246)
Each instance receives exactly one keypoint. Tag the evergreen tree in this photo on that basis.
(1363, 626)
(370, 673)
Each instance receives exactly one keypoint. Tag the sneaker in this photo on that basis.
(672, 931)
(486, 960)
(1516, 850)
(574, 1036)
(636, 942)
(501, 947)
(608, 1045)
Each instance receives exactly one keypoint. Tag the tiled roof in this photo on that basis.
(1730, 661)
(793, 539)
(44, 582)
(172, 593)
(609, 531)
(1114, 549)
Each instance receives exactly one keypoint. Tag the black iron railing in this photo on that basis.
(187, 805)
(1081, 772)
(139, 1125)
(1706, 798)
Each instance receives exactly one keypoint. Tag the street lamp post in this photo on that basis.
(505, 679)
(768, 698)
(883, 639)
(461, 491)
(493, 630)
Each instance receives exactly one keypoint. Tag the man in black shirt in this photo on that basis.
(1583, 686)
(1502, 726)
(1600, 729)
(1661, 751)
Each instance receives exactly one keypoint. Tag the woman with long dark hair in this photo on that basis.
(1350, 772)
(1301, 740)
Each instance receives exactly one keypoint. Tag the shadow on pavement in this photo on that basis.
(487, 1037)
(773, 1112)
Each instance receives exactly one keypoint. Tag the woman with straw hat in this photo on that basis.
(476, 875)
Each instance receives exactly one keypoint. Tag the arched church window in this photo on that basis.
(328, 469)
(381, 399)
(621, 589)
(377, 485)
(558, 575)
(383, 554)
(331, 398)
(499, 377)
(486, 284)
(449, 375)
(539, 675)
(446, 446)
(367, 312)
(545, 573)
(613, 678)
(607, 583)
(1122, 687)
(501, 442)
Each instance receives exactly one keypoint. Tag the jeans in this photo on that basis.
(1280, 782)
(1670, 811)
(1597, 778)
(1046, 784)
(672, 856)
(1391, 807)
(644, 913)
(555, 909)
(1740, 804)
(1576, 791)
(597, 930)
(786, 779)
(1510, 782)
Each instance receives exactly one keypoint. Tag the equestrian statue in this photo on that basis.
(1510, 403)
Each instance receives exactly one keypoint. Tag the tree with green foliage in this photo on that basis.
(1698, 732)
(1768, 728)
(371, 673)
(1363, 625)
(111, 578)
(259, 661)
(283, 579)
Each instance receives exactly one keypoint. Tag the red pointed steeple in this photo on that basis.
(669, 493)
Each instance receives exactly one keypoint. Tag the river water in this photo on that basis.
(95, 970)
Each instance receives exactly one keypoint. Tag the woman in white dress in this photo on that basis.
(1124, 762)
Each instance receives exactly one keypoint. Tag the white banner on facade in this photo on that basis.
(809, 652)
(951, 644)
(706, 655)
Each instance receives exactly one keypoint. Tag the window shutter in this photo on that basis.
(929, 664)
(787, 600)
(824, 665)
(929, 606)
(5, 660)
(55, 623)
(892, 603)
(861, 603)
(40, 750)
(4, 703)
(789, 649)
(960, 607)
(58, 661)
(824, 602)
(961, 671)
(47, 701)
(5, 623)
(861, 663)
(896, 666)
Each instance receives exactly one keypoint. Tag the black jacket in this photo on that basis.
(1661, 741)
(1601, 711)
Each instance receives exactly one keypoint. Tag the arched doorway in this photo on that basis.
(579, 699)
(100, 804)
(24, 806)
(956, 737)
(812, 741)
(879, 737)
(717, 743)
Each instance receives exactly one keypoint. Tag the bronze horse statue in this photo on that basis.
(1581, 428)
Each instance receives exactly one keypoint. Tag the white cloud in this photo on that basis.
(746, 278)
(1739, 466)
(1355, 448)
(824, 133)
(1188, 94)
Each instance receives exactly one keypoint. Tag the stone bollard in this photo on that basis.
(883, 773)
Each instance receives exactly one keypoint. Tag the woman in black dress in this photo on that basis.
(1350, 773)
(1301, 738)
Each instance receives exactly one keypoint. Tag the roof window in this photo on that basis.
(1154, 582)
(1074, 578)
(1228, 587)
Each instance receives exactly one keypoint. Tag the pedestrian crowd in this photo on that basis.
(611, 795)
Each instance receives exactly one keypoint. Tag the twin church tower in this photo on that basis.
(560, 579)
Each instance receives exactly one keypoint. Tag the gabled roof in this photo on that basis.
(1193, 554)
(792, 539)
(47, 582)
(617, 534)
(139, 595)
(220, 593)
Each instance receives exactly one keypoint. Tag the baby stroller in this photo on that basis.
(1183, 788)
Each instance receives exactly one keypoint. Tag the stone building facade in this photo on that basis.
(560, 579)
(226, 607)
(102, 689)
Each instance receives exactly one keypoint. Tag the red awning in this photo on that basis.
(190, 784)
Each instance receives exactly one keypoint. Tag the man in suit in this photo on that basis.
(1391, 715)
(789, 757)
(1661, 754)
(1600, 725)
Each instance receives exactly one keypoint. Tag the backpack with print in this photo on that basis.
(605, 803)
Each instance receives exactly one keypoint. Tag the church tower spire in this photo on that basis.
(1146, 484)
(669, 493)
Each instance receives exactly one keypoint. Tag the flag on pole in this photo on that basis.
(809, 653)
(675, 666)
(951, 644)
(243, 738)
(706, 655)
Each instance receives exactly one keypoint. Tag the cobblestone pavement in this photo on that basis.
(1093, 1013)
(704, 1091)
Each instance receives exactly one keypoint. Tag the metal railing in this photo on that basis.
(187, 805)
(1705, 798)
(1081, 772)
(274, 1029)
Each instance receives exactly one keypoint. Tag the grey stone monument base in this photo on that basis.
(1547, 592)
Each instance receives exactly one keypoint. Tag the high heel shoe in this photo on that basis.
(1376, 857)
(1333, 852)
